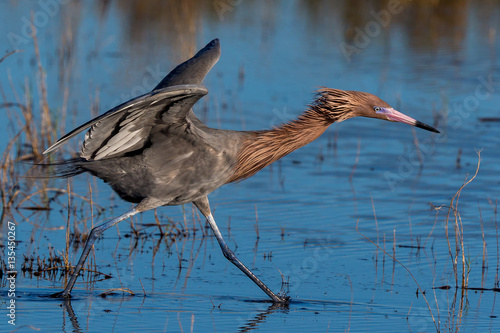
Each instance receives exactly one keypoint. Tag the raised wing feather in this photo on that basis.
(126, 127)
(193, 70)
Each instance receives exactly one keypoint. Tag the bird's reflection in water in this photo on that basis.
(261, 317)
(249, 324)
(66, 305)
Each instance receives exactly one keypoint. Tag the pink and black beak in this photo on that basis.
(393, 115)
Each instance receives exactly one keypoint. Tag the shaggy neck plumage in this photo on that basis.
(265, 147)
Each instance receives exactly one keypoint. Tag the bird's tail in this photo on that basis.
(63, 169)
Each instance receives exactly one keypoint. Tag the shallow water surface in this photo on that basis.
(324, 223)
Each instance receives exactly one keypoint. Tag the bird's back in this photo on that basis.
(179, 163)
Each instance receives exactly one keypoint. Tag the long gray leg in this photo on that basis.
(94, 234)
(205, 210)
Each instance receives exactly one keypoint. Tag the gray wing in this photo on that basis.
(194, 70)
(126, 127)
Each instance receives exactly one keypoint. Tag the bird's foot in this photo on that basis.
(282, 299)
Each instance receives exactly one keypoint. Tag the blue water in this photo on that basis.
(434, 62)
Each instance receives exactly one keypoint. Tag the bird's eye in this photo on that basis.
(377, 108)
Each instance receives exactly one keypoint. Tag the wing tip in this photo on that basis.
(48, 150)
(56, 145)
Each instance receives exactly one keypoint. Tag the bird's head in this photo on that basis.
(339, 105)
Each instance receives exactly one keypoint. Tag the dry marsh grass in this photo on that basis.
(452, 315)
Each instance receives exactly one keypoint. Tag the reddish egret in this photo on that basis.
(154, 151)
